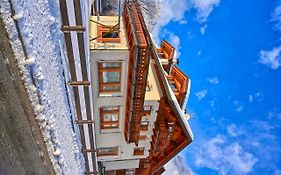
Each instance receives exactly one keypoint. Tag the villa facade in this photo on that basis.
(139, 96)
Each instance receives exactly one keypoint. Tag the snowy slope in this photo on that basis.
(43, 74)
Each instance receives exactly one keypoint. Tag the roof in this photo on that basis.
(180, 114)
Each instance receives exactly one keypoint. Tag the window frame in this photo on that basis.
(139, 151)
(103, 123)
(147, 112)
(103, 84)
(144, 125)
(102, 29)
(109, 153)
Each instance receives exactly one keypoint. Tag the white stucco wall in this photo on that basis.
(106, 52)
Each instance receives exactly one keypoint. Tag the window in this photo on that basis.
(108, 151)
(110, 76)
(109, 116)
(144, 125)
(147, 110)
(139, 151)
(108, 34)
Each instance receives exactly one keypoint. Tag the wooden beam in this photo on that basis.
(66, 28)
(89, 150)
(83, 122)
(94, 172)
(79, 83)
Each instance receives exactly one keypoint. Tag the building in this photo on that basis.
(139, 96)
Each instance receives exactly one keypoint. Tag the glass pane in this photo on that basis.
(111, 65)
(111, 77)
(110, 88)
(110, 117)
(110, 35)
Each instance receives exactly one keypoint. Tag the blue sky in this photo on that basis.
(231, 50)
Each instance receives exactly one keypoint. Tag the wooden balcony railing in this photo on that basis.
(139, 57)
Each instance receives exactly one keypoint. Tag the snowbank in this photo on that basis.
(40, 60)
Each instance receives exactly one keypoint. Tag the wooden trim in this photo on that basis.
(89, 150)
(83, 122)
(144, 127)
(108, 29)
(79, 83)
(109, 84)
(139, 151)
(66, 28)
(113, 153)
(142, 137)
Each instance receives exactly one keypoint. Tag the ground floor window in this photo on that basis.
(108, 151)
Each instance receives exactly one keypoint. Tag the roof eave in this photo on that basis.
(173, 100)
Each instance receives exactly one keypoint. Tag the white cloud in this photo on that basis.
(201, 94)
(271, 58)
(238, 106)
(203, 29)
(214, 80)
(174, 10)
(212, 103)
(176, 166)
(174, 40)
(276, 17)
(204, 8)
(258, 96)
(274, 114)
(251, 98)
(170, 10)
(233, 130)
(264, 126)
(226, 158)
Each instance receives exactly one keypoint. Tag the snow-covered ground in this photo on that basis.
(43, 74)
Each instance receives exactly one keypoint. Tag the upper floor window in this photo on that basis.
(109, 116)
(108, 151)
(108, 34)
(110, 76)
